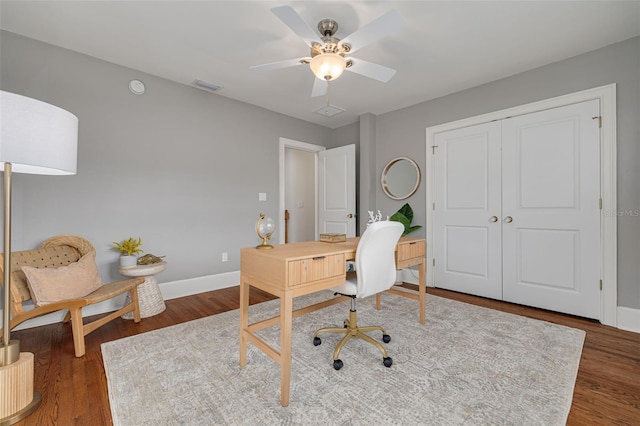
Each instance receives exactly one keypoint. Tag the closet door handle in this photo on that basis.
(508, 219)
(493, 219)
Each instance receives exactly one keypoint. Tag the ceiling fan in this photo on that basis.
(330, 56)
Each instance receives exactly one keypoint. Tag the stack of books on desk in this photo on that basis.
(333, 238)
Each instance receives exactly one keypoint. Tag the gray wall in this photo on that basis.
(182, 168)
(177, 166)
(402, 133)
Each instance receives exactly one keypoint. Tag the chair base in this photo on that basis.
(351, 331)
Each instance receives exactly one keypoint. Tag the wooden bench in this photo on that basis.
(58, 251)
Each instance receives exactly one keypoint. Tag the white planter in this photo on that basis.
(128, 261)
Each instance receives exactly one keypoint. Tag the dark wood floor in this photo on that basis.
(74, 390)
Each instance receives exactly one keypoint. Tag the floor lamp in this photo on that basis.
(35, 138)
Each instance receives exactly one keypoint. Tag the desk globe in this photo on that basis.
(264, 228)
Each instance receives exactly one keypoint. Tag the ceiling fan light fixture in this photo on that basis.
(328, 66)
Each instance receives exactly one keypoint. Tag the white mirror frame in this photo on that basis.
(385, 172)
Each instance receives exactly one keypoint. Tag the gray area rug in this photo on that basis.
(467, 365)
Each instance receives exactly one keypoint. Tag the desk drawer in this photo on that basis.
(315, 268)
(410, 250)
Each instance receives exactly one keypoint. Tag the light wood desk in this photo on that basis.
(291, 270)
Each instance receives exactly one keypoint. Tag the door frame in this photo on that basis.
(608, 182)
(284, 144)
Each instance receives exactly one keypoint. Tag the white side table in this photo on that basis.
(149, 295)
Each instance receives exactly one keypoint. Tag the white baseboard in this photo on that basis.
(188, 287)
(628, 318)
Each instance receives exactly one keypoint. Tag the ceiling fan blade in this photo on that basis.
(371, 70)
(291, 19)
(319, 87)
(385, 25)
(277, 65)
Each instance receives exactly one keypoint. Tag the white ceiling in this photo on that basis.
(444, 47)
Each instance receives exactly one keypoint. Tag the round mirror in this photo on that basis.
(400, 178)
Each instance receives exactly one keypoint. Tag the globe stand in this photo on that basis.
(264, 245)
(264, 229)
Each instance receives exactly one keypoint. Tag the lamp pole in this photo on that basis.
(10, 350)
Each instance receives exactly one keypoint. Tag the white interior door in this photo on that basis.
(467, 237)
(539, 176)
(337, 191)
(551, 214)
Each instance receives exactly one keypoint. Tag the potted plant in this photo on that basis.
(129, 249)
(405, 216)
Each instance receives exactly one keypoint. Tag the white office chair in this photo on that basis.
(375, 272)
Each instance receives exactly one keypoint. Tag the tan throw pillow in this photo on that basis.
(76, 280)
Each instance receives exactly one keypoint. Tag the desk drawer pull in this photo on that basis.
(412, 243)
(319, 257)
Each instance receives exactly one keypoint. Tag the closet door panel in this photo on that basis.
(467, 243)
(547, 157)
(551, 217)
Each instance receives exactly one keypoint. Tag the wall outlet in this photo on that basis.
(262, 196)
(225, 257)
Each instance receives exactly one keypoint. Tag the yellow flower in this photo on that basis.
(129, 247)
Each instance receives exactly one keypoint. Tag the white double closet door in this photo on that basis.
(517, 214)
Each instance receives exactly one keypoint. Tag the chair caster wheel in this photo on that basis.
(386, 361)
(337, 364)
(386, 338)
(345, 324)
(316, 341)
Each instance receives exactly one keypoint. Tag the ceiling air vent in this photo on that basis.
(329, 110)
(205, 85)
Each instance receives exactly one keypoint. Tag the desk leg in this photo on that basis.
(378, 301)
(286, 324)
(244, 319)
(422, 288)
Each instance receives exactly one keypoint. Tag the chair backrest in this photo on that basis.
(375, 257)
(54, 252)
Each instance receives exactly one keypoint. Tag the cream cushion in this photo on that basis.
(48, 285)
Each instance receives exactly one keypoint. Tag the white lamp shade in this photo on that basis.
(328, 66)
(36, 137)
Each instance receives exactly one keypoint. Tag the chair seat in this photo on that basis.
(349, 287)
